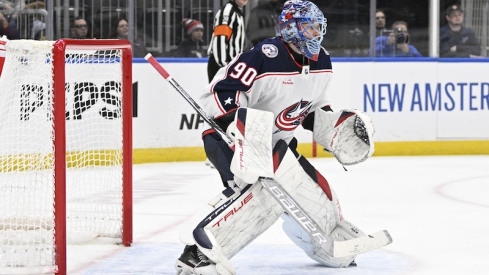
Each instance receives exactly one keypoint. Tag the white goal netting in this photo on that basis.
(28, 168)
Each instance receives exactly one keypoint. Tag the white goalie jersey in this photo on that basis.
(284, 87)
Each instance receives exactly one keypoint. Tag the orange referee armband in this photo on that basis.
(223, 30)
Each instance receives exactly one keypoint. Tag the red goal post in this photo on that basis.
(65, 150)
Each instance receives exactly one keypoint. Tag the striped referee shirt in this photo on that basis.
(229, 34)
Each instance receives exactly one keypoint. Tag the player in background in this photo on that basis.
(228, 38)
(289, 76)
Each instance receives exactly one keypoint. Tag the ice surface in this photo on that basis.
(436, 209)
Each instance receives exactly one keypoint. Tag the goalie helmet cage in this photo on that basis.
(65, 150)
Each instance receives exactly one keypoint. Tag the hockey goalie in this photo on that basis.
(245, 209)
(259, 99)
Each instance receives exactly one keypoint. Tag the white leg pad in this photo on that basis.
(236, 223)
(186, 235)
(307, 193)
(313, 193)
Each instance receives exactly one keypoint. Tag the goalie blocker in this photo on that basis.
(347, 134)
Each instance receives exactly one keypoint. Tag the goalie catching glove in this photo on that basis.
(347, 134)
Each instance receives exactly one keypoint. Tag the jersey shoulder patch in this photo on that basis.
(270, 50)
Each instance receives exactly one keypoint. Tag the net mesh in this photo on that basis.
(93, 151)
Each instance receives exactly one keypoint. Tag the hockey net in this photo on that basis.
(65, 150)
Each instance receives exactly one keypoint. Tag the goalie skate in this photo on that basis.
(193, 261)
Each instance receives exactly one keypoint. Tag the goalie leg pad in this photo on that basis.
(186, 235)
(313, 193)
(311, 196)
(236, 223)
(347, 134)
(302, 239)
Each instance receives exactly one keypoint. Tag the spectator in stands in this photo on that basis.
(120, 30)
(396, 44)
(455, 39)
(380, 22)
(79, 28)
(192, 45)
(228, 38)
(263, 21)
(8, 27)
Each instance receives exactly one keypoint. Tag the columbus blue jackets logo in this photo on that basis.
(293, 116)
(269, 50)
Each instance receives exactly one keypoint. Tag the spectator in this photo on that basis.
(79, 28)
(193, 45)
(228, 37)
(380, 22)
(120, 30)
(263, 21)
(455, 39)
(8, 28)
(396, 44)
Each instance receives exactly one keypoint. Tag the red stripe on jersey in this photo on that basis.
(230, 111)
(321, 71)
(274, 74)
(206, 132)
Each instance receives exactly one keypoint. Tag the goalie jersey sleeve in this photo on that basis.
(268, 78)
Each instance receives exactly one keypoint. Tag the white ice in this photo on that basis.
(436, 208)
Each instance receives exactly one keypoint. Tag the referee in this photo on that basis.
(228, 38)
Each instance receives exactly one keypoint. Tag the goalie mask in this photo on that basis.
(303, 24)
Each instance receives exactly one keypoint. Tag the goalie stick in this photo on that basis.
(335, 248)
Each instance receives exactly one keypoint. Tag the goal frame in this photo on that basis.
(59, 117)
